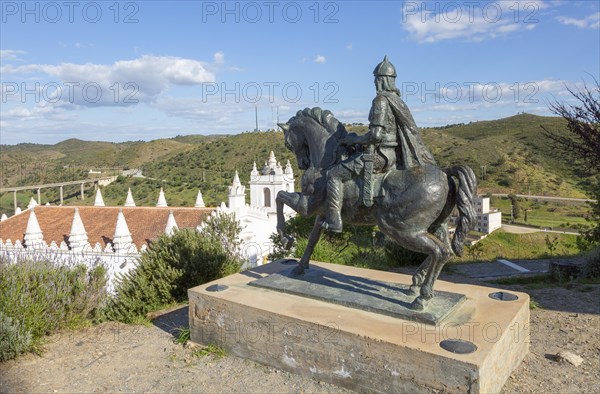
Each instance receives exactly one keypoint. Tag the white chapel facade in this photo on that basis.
(270, 180)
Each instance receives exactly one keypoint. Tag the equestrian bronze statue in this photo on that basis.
(386, 177)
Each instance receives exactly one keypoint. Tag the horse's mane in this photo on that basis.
(324, 117)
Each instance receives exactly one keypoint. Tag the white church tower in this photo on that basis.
(237, 195)
(270, 180)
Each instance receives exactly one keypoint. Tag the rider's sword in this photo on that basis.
(368, 158)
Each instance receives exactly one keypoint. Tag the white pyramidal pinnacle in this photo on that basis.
(236, 188)
(254, 172)
(288, 168)
(32, 203)
(162, 201)
(18, 210)
(199, 200)
(78, 238)
(272, 160)
(33, 234)
(99, 202)
(129, 200)
(236, 179)
(122, 239)
(171, 224)
(3, 218)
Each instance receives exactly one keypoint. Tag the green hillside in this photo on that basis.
(31, 164)
(211, 167)
(508, 155)
(516, 155)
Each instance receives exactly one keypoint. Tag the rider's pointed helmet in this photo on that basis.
(385, 69)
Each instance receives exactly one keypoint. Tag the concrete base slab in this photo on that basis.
(473, 349)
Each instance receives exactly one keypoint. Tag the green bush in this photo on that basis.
(591, 269)
(172, 265)
(14, 338)
(324, 250)
(373, 259)
(42, 297)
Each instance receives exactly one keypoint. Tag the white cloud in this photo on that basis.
(320, 59)
(433, 22)
(80, 45)
(122, 83)
(219, 57)
(38, 111)
(349, 47)
(352, 115)
(591, 21)
(458, 101)
(236, 69)
(11, 54)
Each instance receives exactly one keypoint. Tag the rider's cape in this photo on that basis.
(411, 150)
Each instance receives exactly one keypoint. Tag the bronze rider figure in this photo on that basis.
(393, 141)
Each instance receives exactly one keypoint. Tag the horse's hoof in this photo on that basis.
(418, 304)
(413, 290)
(298, 270)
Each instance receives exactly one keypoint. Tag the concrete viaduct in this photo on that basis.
(96, 182)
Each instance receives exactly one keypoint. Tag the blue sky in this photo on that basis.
(142, 70)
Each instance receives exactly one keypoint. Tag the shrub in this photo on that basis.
(14, 338)
(591, 269)
(373, 259)
(278, 250)
(324, 250)
(41, 297)
(172, 265)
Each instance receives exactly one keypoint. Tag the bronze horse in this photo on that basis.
(411, 207)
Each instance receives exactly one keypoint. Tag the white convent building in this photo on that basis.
(117, 235)
(270, 180)
(259, 219)
(488, 219)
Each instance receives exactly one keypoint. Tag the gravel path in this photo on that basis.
(115, 357)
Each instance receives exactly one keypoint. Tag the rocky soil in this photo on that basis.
(122, 358)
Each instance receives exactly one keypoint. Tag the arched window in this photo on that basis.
(267, 196)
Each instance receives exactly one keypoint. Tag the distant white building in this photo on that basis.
(488, 220)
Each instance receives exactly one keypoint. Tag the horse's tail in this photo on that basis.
(463, 196)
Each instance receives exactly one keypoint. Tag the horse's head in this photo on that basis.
(297, 143)
(313, 135)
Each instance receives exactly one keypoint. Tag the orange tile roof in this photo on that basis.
(145, 223)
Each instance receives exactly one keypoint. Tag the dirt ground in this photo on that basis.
(121, 358)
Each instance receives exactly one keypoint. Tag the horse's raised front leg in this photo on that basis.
(294, 201)
(315, 234)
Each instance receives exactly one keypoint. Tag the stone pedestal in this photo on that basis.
(473, 348)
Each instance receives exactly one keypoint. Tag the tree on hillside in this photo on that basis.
(581, 142)
(583, 124)
(514, 201)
